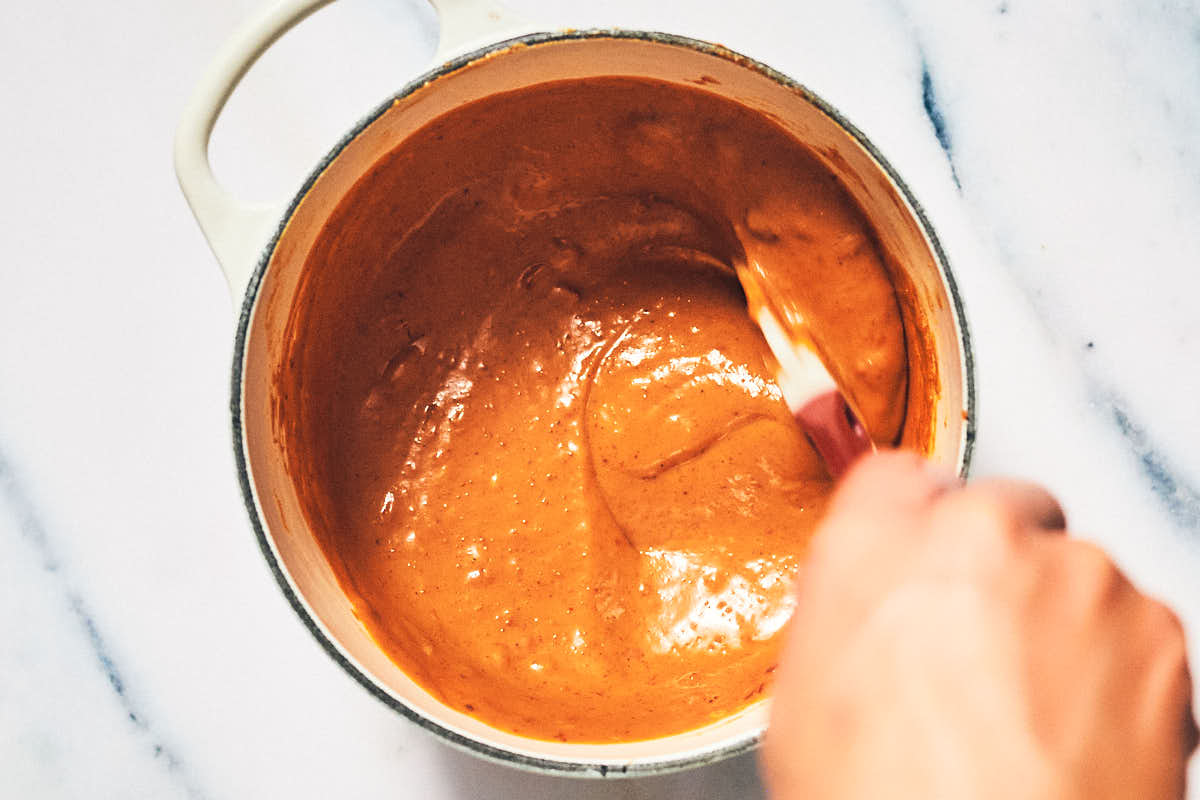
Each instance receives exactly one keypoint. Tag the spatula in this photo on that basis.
(812, 395)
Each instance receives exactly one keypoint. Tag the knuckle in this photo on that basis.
(1091, 564)
(978, 520)
(1093, 577)
(1165, 630)
(1168, 679)
(1089, 558)
(888, 488)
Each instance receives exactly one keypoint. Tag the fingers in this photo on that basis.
(895, 522)
(890, 483)
(1026, 504)
(897, 483)
(877, 507)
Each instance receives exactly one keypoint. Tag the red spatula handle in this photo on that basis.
(835, 432)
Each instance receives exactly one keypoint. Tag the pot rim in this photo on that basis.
(657, 766)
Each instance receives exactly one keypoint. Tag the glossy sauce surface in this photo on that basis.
(535, 430)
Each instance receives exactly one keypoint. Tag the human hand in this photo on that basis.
(950, 642)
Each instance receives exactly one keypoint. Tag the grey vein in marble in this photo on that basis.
(1180, 499)
(20, 508)
(1177, 497)
(934, 112)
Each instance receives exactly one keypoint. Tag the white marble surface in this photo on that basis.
(146, 649)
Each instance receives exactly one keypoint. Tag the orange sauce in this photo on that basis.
(536, 433)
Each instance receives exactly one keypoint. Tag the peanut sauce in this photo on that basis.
(536, 431)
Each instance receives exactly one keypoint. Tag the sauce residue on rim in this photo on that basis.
(532, 425)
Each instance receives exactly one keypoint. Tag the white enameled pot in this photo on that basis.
(263, 252)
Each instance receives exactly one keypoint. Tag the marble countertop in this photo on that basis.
(147, 650)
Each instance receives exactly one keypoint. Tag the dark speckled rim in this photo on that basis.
(545, 765)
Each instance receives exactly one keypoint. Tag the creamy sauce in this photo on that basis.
(533, 426)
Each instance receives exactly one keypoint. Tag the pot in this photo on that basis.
(484, 51)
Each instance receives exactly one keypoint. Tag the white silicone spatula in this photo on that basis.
(811, 393)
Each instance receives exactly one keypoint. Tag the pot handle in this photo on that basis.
(469, 24)
(236, 231)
